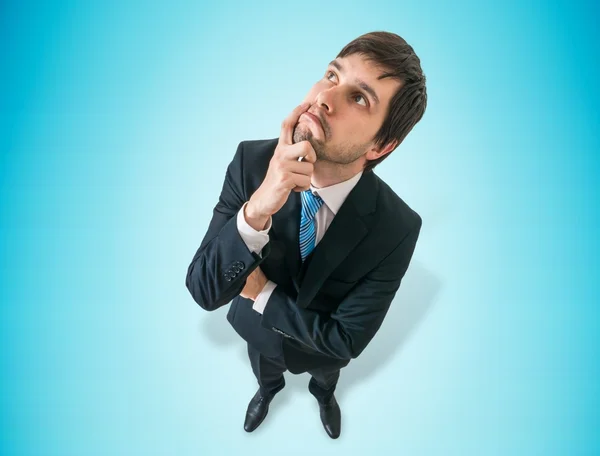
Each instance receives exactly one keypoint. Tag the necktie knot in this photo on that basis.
(310, 203)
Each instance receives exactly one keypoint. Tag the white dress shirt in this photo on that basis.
(333, 197)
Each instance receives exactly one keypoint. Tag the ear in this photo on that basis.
(377, 152)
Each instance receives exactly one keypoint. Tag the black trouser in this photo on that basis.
(269, 373)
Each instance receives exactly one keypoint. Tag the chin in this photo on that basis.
(302, 133)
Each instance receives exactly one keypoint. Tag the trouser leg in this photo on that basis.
(323, 382)
(268, 372)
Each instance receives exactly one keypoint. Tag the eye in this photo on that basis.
(365, 103)
(358, 95)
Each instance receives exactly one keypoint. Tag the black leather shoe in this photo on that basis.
(331, 417)
(257, 410)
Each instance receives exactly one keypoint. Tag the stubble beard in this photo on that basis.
(301, 133)
(344, 156)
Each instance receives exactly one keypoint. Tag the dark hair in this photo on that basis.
(398, 60)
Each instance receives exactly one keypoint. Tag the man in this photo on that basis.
(306, 240)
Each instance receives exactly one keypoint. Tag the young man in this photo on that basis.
(306, 240)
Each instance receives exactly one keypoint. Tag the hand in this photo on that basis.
(286, 172)
(255, 283)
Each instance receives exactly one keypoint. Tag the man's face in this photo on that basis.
(350, 104)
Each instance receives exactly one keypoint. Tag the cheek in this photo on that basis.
(354, 129)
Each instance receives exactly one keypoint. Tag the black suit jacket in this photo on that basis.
(326, 311)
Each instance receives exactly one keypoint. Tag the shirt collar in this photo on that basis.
(335, 195)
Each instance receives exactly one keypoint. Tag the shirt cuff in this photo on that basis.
(254, 240)
(261, 300)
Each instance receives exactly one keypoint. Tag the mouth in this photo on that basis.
(314, 119)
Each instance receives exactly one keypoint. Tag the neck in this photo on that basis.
(327, 173)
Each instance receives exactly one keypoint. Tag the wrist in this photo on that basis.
(254, 218)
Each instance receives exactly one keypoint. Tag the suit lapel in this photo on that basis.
(347, 229)
(286, 223)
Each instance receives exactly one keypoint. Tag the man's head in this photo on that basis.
(369, 98)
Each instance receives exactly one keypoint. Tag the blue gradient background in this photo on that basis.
(117, 123)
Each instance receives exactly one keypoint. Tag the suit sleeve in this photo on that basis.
(345, 333)
(221, 265)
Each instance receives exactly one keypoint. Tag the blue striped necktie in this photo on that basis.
(310, 205)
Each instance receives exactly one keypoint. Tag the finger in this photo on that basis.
(301, 181)
(304, 168)
(311, 155)
(300, 152)
(287, 127)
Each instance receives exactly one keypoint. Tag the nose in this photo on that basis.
(326, 100)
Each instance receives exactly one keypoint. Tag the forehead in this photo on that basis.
(360, 71)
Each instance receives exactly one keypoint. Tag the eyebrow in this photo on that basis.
(363, 85)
